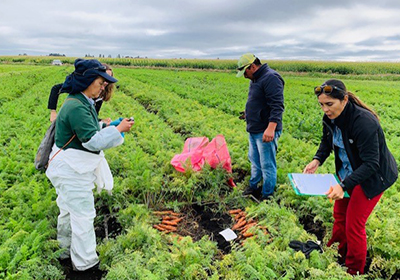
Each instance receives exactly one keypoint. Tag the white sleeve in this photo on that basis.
(104, 139)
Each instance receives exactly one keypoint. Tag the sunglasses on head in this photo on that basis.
(326, 89)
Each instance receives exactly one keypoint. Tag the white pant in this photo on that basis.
(75, 222)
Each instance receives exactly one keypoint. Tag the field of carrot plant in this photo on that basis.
(170, 105)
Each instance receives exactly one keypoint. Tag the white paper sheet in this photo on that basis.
(228, 234)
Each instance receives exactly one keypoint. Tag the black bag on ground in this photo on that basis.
(44, 150)
(306, 248)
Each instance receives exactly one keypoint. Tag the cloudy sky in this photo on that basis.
(347, 30)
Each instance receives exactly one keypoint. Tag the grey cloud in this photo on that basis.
(200, 29)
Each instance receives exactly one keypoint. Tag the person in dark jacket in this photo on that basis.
(364, 165)
(105, 95)
(264, 109)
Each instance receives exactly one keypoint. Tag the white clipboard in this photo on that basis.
(313, 184)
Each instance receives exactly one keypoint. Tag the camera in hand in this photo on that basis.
(131, 119)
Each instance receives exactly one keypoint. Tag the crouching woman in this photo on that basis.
(77, 161)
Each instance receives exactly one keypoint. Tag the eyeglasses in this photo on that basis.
(244, 67)
(326, 89)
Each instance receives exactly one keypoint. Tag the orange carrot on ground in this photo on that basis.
(160, 213)
(171, 223)
(235, 211)
(239, 215)
(177, 220)
(239, 224)
(247, 227)
(168, 218)
(168, 227)
(247, 234)
(158, 227)
(240, 228)
(175, 214)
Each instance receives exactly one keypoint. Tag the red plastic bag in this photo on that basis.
(191, 155)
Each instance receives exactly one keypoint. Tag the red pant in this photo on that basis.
(351, 215)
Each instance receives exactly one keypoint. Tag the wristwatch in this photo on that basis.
(343, 186)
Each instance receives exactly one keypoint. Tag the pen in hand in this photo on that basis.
(330, 190)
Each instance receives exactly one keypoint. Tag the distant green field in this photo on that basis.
(170, 105)
(342, 68)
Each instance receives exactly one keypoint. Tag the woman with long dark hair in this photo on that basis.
(364, 165)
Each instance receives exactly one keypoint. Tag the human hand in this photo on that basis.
(53, 115)
(107, 121)
(335, 192)
(125, 125)
(311, 167)
(242, 115)
(268, 135)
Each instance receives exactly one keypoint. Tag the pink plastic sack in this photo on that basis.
(191, 155)
(198, 150)
(217, 152)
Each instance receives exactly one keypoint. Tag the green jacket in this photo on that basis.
(76, 117)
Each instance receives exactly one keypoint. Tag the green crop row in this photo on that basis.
(156, 97)
(28, 212)
(329, 67)
(127, 255)
(168, 107)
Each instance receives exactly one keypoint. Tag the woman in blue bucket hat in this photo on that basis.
(77, 161)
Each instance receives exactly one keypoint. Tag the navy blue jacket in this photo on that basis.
(374, 167)
(55, 93)
(265, 100)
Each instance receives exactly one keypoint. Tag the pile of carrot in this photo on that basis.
(243, 224)
(169, 221)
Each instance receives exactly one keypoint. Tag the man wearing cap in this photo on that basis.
(264, 109)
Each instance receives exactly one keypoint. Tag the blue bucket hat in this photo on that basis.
(86, 71)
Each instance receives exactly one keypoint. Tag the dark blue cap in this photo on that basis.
(86, 71)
